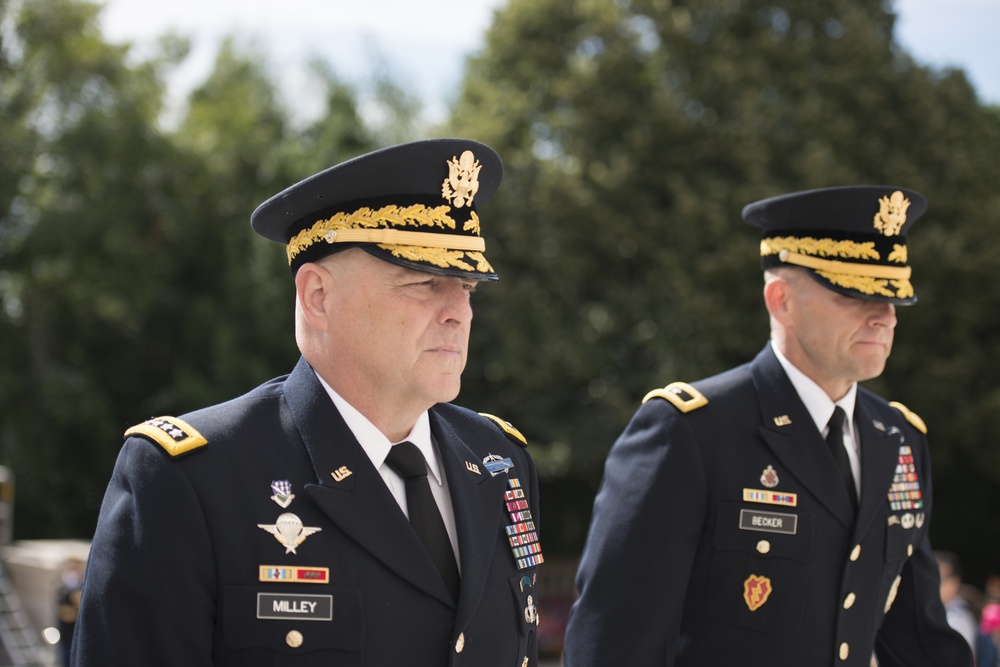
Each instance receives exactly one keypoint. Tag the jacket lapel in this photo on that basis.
(790, 432)
(349, 490)
(879, 456)
(477, 500)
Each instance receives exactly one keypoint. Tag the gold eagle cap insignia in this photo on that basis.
(891, 215)
(462, 183)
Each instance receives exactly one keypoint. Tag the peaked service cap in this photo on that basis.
(850, 239)
(413, 204)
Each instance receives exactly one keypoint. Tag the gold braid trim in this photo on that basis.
(903, 289)
(442, 257)
(898, 254)
(848, 268)
(818, 247)
(387, 217)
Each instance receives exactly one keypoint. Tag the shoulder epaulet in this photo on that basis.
(511, 432)
(173, 434)
(681, 394)
(911, 416)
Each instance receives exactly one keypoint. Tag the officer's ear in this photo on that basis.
(778, 286)
(313, 288)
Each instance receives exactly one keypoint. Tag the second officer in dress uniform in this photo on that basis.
(346, 513)
(778, 514)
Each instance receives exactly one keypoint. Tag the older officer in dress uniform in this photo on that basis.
(727, 531)
(344, 514)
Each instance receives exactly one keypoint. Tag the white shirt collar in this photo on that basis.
(816, 400)
(374, 442)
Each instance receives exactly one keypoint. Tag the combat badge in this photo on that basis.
(756, 590)
(496, 464)
(288, 530)
(282, 492)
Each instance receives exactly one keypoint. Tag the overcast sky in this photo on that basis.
(423, 42)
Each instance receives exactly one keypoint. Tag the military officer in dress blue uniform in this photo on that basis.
(346, 513)
(739, 521)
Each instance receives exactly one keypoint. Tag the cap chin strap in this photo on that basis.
(400, 237)
(848, 268)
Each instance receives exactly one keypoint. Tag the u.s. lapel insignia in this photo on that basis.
(756, 590)
(341, 473)
(472, 467)
(288, 530)
(496, 464)
(282, 492)
(769, 477)
(782, 420)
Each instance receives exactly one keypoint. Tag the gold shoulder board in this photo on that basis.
(514, 434)
(173, 434)
(911, 416)
(681, 394)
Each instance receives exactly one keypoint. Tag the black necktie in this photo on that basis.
(407, 462)
(835, 440)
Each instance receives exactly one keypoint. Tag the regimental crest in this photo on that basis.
(462, 183)
(892, 213)
(756, 590)
(282, 490)
(769, 477)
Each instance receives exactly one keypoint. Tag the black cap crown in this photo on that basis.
(851, 239)
(414, 204)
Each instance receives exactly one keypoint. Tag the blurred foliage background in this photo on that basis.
(632, 131)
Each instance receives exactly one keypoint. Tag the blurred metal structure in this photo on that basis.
(20, 643)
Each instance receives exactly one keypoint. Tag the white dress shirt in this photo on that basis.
(821, 409)
(376, 446)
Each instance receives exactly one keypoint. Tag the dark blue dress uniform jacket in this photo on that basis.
(666, 564)
(173, 574)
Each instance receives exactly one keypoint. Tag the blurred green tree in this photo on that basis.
(633, 133)
(131, 285)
